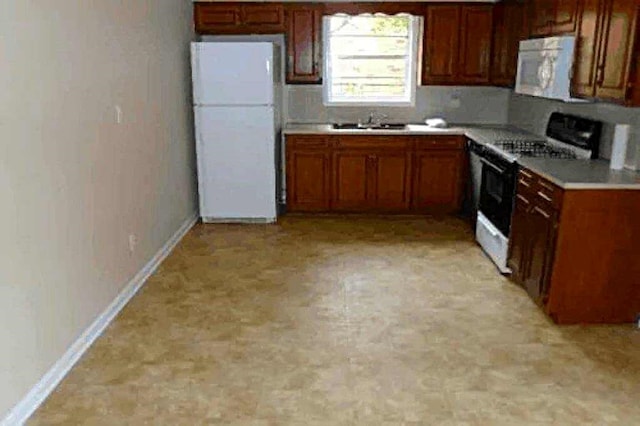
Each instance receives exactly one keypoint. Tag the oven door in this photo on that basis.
(497, 193)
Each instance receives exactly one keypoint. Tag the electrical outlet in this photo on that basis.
(133, 242)
(118, 111)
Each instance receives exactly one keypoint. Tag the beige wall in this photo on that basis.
(73, 183)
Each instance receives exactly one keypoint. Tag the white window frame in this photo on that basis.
(415, 35)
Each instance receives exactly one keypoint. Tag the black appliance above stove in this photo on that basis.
(580, 132)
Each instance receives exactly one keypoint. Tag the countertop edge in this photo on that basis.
(582, 186)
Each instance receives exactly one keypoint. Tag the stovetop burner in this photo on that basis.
(533, 148)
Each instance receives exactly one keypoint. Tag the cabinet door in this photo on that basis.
(303, 44)
(263, 18)
(619, 30)
(509, 28)
(541, 232)
(437, 184)
(585, 67)
(441, 44)
(475, 44)
(211, 18)
(542, 17)
(391, 191)
(308, 180)
(566, 16)
(351, 180)
(519, 237)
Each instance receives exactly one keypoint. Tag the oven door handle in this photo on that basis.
(493, 166)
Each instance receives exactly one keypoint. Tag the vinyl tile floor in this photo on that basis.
(344, 321)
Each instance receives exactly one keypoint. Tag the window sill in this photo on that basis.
(369, 104)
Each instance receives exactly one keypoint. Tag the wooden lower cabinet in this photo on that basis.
(518, 240)
(371, 181)
(541, 225)
(308, 174)
(575, 251)
(351, 181)
(438, 182)
(391, 189)
(309, 184)
(533, 227)
(383, 174)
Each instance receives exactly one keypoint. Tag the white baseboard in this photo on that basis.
(240, 220)
(32, 400)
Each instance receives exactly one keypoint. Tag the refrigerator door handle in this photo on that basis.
(268, 65)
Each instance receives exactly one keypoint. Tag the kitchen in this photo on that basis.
(320, 213)
(366, 152)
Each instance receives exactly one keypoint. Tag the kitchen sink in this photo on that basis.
(358, 126)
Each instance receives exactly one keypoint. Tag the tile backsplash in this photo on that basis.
(472, 105)
(531, 114)
(481, 105)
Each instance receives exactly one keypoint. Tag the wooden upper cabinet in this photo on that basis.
(617, 50)
(542, 14)
(457, 44)
(263, 17)
(509, 23)
(589, 31)
(566, 16)
(304, 44)
(211, 18)
(553, 17)
(606, 60)
(441, 44)
(238, 18)
(475, 44)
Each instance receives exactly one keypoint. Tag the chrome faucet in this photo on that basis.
(375, 119)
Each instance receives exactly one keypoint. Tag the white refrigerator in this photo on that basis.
(236, 130)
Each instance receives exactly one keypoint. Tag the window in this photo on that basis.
(370, 59)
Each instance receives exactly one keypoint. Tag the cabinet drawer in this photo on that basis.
(526, 182)
(307, 141)
(539, 189)
(374, 141)
(439, 142)
(547, 193)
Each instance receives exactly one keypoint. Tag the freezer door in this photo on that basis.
(236, 162)
(232, 73)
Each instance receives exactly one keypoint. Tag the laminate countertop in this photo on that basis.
(479, 133)
(582, 174)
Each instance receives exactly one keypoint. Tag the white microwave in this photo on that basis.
(545, 68)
